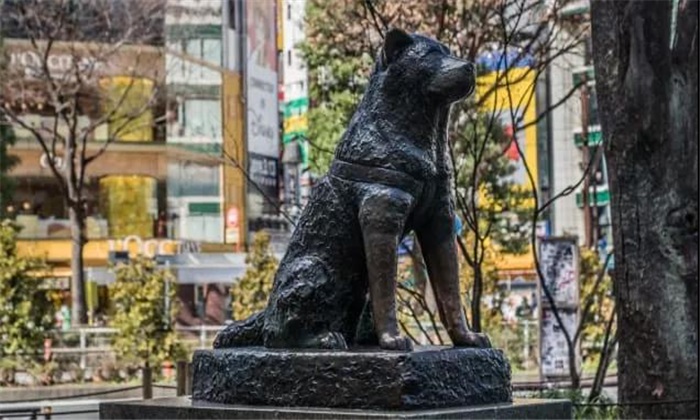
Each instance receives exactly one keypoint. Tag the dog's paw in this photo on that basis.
(333, 341)
(473, 339)
(395, 342)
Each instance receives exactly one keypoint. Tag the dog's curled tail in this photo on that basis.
(242, 333)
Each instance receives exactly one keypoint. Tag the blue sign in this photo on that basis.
(496, 60)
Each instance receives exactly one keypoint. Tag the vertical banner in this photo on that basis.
(261, 78)
(559, 263)
(262, 110)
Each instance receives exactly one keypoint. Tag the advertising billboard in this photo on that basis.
(559, 262)
(559, 265)
(519, 97)
(261, 78)
(514, 107)
(554, 352)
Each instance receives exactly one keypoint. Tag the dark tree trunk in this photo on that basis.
(77, 286)
(476, 298)
(647, 84)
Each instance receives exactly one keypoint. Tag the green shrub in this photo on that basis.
(144, 311)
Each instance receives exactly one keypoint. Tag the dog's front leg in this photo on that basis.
(437, 240)
(382, 215)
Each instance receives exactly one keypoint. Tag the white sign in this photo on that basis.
(57, 161)
(58, 64)
(153, 247)
(554, 352)
(261, 78)
(559, 265)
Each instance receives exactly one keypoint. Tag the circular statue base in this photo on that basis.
(429, 377)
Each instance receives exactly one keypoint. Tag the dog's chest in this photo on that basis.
(430, 195)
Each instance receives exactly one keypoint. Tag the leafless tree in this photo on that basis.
(83, 65)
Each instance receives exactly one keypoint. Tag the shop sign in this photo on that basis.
(152, 247)
(44, 161)
(233, 229)
(55, 283)
(30, 62)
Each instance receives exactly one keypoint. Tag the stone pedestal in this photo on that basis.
(185, 408)
(429, 377)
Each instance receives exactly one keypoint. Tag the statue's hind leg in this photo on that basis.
(301, 314)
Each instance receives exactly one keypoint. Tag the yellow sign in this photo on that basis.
(514, 94)
(511, 97)
(280, 25)
(296, 123)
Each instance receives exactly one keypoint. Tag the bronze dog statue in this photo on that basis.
(391, 175)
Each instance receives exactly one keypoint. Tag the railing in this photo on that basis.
(86, 340)
(33, 408)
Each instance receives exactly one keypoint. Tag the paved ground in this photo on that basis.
(84, 409)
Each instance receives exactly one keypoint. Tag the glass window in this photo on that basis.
(174, 65)
(202, 118)
(201, 227)
(191, 179)
(193, 47)
(211, 53)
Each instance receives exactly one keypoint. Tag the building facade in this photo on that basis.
(576, 141)
(295, 105)
(201, 176)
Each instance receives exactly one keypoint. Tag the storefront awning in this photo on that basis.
(193, 268)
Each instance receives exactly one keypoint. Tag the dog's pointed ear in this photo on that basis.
(395, 40)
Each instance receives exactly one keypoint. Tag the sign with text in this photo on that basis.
(263, 191)
(559, 262)
(554, 352)
(261, 78)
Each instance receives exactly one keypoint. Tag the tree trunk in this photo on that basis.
(647, 84)
(476, 298)
(77, 287)
(573, 367)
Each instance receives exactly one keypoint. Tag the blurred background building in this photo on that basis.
(207, 170)
(224, 152)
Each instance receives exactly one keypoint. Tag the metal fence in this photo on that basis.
(47, 407)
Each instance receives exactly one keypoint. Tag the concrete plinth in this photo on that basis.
(429, 377)
(185, 408)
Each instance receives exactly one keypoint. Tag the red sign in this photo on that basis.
(232, 217)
